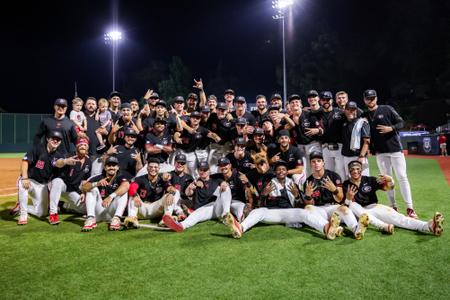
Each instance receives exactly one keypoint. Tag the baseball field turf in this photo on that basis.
(270, 262)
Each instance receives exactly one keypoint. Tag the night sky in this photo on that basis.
(47, 45)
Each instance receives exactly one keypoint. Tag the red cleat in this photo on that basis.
(172, 224)
(54, 219)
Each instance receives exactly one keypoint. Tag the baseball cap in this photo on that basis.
(160, 120)
(241, 121)
(258, 131)
(273, 107)
(153, 160)
(275, 96)
(205, 109)
(55, 134)
(283, 133)
(154, 96)
(240, 141)
(161, 102)
(223, 161)
(195, 114)
(222, 105)
(294, 97)
(130, 131)
(192, 96)
(240, 99)
(312, 93)
(114, 94)
(315, 154)
(326, 95)
(61, 102)
(82, 141)
(178, 99)
(370, 93)
(180, 157)
(125, 105)
(111, 160)
(280, 163)
(351, 105)
(354, 163)
(229, 91)
(203, 165)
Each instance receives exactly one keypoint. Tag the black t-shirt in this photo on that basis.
(366, 194)
(127, 164)
(293, 156)
(73, 175)
(388, 142)
(171, 124)
(236, 186)
(181, 182)
(65, 126)
(347, 129)
(194, 141)
(151, 191)
(332, 123)
(321, 195)
(115, 115)
(164, 140)
(314, 119)
(205, 195)
(258, 180)
(298, 132)
(92, 125)
(258, 116)
(243, 165)
(107, 190)
(248, 116)
(41, 163)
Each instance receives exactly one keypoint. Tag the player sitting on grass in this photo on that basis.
(151, 196)
(279, 197)
(106, 196)
(361, 198)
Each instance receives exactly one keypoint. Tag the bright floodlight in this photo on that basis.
(113, 36)
(282, 4)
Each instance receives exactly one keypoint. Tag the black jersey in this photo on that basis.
(205, 195)
(321, 195)
(248, 116)
(298, 132)
(387, 142)
(192, 142)
(314, 119)
(107, 190)
(258, 116)
(164, 140)
(92, 126)
(120, 134)
(243, 165)
(41, 163)
(222, 127)
(259, 181)
(236, 186)
(115, 115)
(151, 191)
(171, 123)
(73, 175)
(332, 123)
(293, 156)
(181, 182)
(65, 126)
(347, 130)
(366, 194)
(127, 164)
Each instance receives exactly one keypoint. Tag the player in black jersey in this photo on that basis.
(323, 196)
(67, 183)
(180, 180)
(36, 171)
(158, 144)
(106, 196)
(240, 159)
(361, 198)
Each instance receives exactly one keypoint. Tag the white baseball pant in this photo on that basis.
(212, 210)
(334, 161)
(326, 211)
(94, 206)
(154, 209)
(57, 189)
(38, 193)
(97, 167)
(396, 160)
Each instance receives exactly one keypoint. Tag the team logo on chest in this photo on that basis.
(306, 124)
(366, 188)
(337, 116)
(380, 116)
(40, 164)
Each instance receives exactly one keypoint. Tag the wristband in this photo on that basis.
(159, 146)
(94, 184)
(112, 195)
(348, 202)
(308, 198)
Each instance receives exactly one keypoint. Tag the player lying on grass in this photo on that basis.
(323, 195)
(361, 198)
(106, 196)
(212, 199)
(150, 196)
(279, 197)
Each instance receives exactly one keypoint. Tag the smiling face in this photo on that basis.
(111, 169)
(355, 172)
(153, 169)
(281, 172)
(53, 143)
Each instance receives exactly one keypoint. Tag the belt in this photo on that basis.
(331, 146)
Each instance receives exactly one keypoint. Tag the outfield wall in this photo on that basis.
(17, 131)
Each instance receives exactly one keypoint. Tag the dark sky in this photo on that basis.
(47, 45)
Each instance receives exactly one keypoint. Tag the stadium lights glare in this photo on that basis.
(282, 4)
(113, 36)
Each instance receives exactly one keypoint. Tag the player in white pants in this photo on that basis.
(361, 198)
(280, 197)
(212, 199)
(106, 196)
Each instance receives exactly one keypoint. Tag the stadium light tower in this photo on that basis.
(281, 6)
(112, 38)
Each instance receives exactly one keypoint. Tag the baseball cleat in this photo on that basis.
(389, 229)
(54, 219)
(395, 208)
(15, 210)
(363, 222)
(23, 220)
(182, 217)
(437, 224)
(339, 231)
(186, 209)
(333, 227)
(236, 229)
(115, 223)
(131, 222)
(89, 224)
(172, 224)
(411, 213)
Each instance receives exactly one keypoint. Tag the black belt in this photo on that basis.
(331, 146)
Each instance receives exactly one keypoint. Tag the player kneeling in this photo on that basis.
(151, 196)
(361, 198)
(106, 196)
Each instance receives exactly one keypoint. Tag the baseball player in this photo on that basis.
(151, 196)
(385, 124)
(114, 105)
(77, 169)
(106, 196)
(180, 180)
(36, 171)
(212, 199)
(260, 113)
(280, 196)
(240, 158)
(158, 144)
(117, 133)
(323, 195)
(361, 198)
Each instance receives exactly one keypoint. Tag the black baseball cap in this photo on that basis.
(312, 93)
(161, 102)
(326, 95)
(351, 105)
(192, 96)
(222, 105)
(240, 99)
(205, 109)
(283, 133)
(294, 97)
(229, 91)
(130, 131)
(114, 94)
(160, 121)
(241, 121)
(112, 160)
(370, 93)
(61, 102)
(280, 163)
(258, 131)
(195, 114)
(55, 134)
(180, 158)
(273, 107)
(178, 99)
(223, 161)
(125, 105)
(275, 96)
(315, 154)
(154, 96)
(203, 165)
(241, 141)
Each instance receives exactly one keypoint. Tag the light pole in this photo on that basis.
(113, 38)
(281, 6)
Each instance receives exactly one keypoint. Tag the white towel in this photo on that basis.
(355, 141)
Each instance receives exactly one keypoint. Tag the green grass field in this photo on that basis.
(43, 261)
